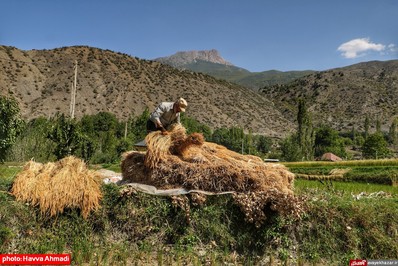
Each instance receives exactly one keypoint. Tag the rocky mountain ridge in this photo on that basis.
(210, 62)
(182, 58)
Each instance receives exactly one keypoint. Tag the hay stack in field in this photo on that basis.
(181, 160)
(26, 181)
(54, 187)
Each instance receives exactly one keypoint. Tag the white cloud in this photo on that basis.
(392, 48)
(358, 47)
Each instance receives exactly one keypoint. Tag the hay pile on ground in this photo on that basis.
(181, 160)
(57, 186)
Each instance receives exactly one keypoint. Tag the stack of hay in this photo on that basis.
(57, 186)
(188, 161)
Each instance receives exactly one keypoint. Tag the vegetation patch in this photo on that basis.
(143, 229)
(367, 171)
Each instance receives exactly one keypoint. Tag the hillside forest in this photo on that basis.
(103, 138)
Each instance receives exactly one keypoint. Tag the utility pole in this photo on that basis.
(125, 130)
(73, 94)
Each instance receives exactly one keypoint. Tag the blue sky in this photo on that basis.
(257, 35)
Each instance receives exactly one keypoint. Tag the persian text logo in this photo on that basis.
(358, 263)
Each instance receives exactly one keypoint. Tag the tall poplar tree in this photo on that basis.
(366, 126)
(378, 125)
(305, 133)
(393, 133)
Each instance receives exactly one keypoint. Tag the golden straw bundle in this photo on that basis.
(23, 186)
(57, 186)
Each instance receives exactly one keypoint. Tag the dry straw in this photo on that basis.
(181, 160)
(55, 187)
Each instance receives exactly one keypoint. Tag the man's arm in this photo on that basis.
(178, 119)
(155, 116)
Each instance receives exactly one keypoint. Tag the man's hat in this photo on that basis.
(182, 103)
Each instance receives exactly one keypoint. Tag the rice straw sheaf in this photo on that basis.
(188, 161)
(67, 183)
(133, 168)
(158, 148)
(25, 181)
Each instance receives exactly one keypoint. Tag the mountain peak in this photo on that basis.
(182, 58)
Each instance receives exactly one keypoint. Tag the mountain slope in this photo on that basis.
(107, 81)
(211, 63)
(343, 97)
(220, 71)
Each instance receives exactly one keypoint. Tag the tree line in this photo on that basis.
(310, 142)
(102, 138)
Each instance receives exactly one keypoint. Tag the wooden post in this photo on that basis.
(73, 94)
(125, 130)
(71, 100)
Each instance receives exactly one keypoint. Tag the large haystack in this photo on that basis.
(188, 161)
(56, 186)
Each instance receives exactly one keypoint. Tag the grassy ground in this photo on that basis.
(140, 229)
(345, 188)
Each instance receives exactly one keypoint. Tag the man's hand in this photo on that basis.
(159, 124)
(161, 127)
(164, 131)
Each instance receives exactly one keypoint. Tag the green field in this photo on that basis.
(364, 171)
(346, 188)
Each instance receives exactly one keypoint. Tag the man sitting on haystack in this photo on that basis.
(166, 114)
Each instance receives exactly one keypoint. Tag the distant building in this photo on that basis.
(330, 157)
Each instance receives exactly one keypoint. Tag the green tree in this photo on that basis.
(375, 147)
(104, 140)
(232, 138)
(11, 124)
(106, 131)
(305, 132)
(356, 137)
(249, 147)
(328, 140)
(192, 125)
(220, 136)
(263, 144)
(33, 142)
(359, 140)
(353, 134)
(66, 135)
(87, 125)
(378, 125)
(90, 139)
(291, 151)
(137, 126)
(104, 121)
(366, 126)
(86, 147)
(393, 133)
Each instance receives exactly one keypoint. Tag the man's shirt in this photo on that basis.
(165, 114)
